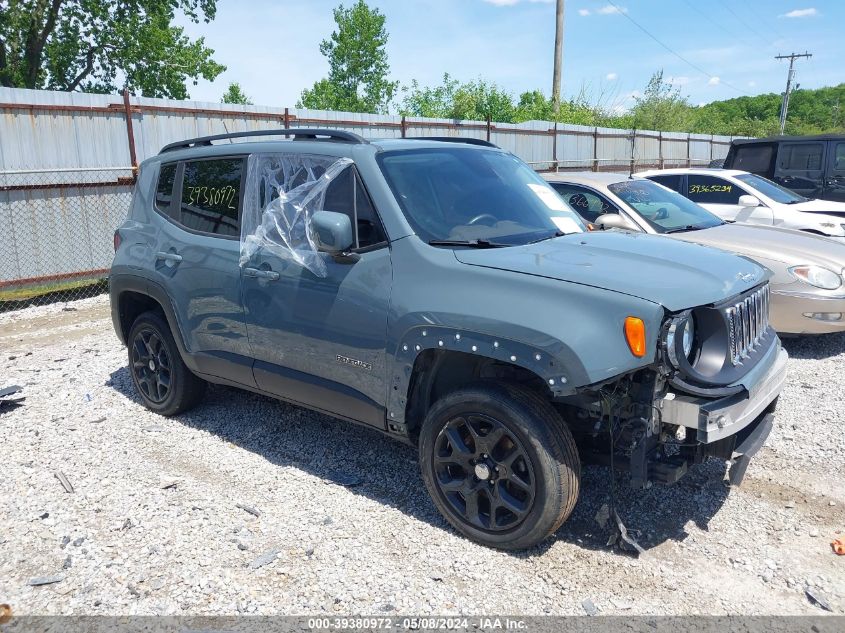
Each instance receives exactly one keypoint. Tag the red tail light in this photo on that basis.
(116, 240)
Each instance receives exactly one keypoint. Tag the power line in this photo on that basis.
(763, 38)
(676, 54)
(703, 14)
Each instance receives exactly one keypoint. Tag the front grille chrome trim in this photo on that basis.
(748, 320)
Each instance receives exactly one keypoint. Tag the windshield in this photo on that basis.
(467, 194)
(664, 210)
(771, 189)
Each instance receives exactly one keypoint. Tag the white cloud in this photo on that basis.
(801, 13)
(714, 81)
(610, 9)
(611, 76)
(752, 83)
(583, 12)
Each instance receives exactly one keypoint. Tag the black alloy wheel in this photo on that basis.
(162, 379)
(499, 463)
(151, 365)
(484, 472)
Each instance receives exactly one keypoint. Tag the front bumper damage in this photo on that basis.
(733, 427)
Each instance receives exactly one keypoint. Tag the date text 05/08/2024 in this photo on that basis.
(422, 623)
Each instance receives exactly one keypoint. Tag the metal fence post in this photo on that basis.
(595, 149)
(660, 149)
(404, 127)
(129, 132)
(633, 148)
(489, 128)
(689, 155)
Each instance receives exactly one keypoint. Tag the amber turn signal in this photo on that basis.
(635, 335)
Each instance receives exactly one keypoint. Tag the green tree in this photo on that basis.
(234, 94)
(102, 45)
(358, 67)
(661, 107)
(472, 100)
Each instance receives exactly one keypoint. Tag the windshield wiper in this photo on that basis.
(548, 237)
(683, 229)
(471, 243)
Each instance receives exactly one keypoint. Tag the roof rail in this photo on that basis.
(297, 133)
(454, 139)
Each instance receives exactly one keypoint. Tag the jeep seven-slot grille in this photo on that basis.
(747, 323)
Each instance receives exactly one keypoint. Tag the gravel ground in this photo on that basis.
(240, 506)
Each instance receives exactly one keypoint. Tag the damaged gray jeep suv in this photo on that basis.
(442, 293)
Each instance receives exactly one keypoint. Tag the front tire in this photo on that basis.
(161, 378)
(500, 464)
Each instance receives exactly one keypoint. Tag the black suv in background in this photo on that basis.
(813, 166)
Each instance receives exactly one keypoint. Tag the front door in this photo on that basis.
(317, 324)
(835, 183)
(800, 167)
(721, 197)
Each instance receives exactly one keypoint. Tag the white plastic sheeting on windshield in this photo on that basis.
(283, 191)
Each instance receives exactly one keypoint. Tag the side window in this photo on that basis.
(839, 158)
(346, 194)
(800, 157)
(672, 181)
(753, 158)
(164, 189)
(211, 193)
(712, 190)
(583, 201)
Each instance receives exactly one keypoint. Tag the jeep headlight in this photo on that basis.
(680, 337)
(817, 276)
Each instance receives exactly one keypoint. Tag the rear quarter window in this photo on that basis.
(164, 189)
(672, 181)
(754, 158)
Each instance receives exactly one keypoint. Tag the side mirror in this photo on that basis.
(614, 221)
(749, 201)
(333, 231)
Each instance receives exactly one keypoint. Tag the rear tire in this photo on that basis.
(161, 378)
(499, 464)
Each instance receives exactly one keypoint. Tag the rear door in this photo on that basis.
(197, 261)
(835, 182)
(800, 166)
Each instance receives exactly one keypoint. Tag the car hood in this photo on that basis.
(771, 243)
(820, 206)
(672, 273)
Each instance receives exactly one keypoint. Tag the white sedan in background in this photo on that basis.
(738, 196)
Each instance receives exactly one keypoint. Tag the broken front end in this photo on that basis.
(711, 393)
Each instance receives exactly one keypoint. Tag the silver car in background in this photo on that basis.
(808, 288)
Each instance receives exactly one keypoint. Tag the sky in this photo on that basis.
(710, 49)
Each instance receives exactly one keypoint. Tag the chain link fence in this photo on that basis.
(56, 242)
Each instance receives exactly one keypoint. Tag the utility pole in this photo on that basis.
(784, 106)
(558, 58)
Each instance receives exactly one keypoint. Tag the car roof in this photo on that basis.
(781, 139)
(715, 171)
(585, 177)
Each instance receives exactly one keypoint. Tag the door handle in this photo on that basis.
(170, 258)
(270, 275)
